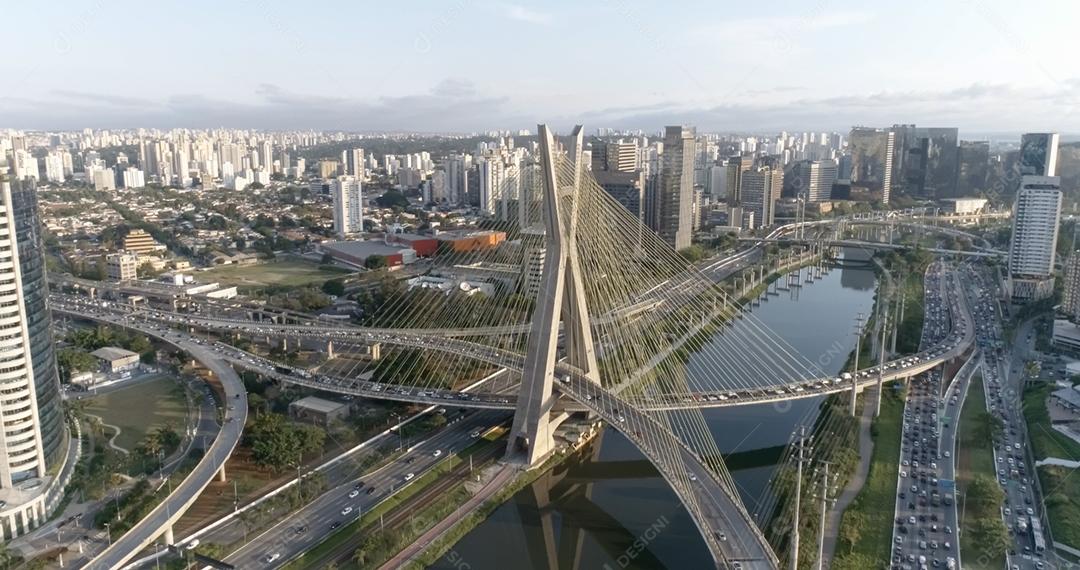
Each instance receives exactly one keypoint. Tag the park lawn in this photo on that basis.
(1061, 487)
(877, 498)
(1045, 442)
(974, 456)
(141, 408)
(291, 273)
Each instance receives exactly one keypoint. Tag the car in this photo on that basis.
(271, 558)
(335, 525)
(192, 544)
(346, 511)
(437, 453)
(354, 493)
(301, 529)
(369, 491)
(409, 476)
(358, 485)
(475, 434)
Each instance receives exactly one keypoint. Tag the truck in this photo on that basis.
(846, 377)
(950, 563)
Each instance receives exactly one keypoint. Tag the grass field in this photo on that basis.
(1045, 442)
(875, 501)
(140, 408)
(974, 456)
(292, 273)
(1062, 489)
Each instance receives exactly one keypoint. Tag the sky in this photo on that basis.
(985, 66)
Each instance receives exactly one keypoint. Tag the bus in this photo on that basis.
(1037, 535)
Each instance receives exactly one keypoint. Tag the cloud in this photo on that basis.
(523, 14)
(452, 105)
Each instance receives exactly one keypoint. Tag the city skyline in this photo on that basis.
(983, 67)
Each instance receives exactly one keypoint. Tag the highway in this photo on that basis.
(184, 492)
(925, 516)
(949, 347)
(1004, 387)
(318, 519)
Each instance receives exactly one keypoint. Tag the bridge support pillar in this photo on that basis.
(561, 298)
(168, 536)
(221, 474)
(329, 349)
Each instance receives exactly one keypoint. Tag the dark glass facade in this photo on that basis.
(38, 318)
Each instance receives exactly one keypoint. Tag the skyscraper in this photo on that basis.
(457, 180)
(676, 191)
(815, 179)
(34, 441)
(1038, 154)
(872, 160)
(925, 160)
(736, 166)
(760, 191)
(348, 206)
(1036, 214)
(1070, 299)
(973, 170)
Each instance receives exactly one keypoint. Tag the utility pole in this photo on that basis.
(881, 363)
(798, 494)
(855, 368)
(824, 509)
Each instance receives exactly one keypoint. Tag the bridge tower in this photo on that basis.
(561, 299)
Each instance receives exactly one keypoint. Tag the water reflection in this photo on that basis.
(611, 509)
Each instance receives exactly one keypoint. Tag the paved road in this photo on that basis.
(1004, 390)
(184, 492)
(923, 533)
(316, 521)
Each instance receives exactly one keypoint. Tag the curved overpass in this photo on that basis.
(161, 519)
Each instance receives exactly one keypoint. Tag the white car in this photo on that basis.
(353, 493)
(437, 453)
(409, 476)
(270, 558)
(346, 511)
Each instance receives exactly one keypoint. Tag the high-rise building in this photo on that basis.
(134, 178)
(348, 206)
(627, 188)
(1038, 154)
(34, 444)
(872, 161)
(620, 156)
(1036, 215)
(973, 170)
(104, 179)
(490, 184)
(457, 179)
(676, 190)
(1070, 299)
(736, 166)
(354, 162)
(760, 191)
(815, 179)
(925, 160)
(328, 168)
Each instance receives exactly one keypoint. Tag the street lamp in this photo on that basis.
(108, 533)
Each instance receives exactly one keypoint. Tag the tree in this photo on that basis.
(375, 262)
(392, 199)
(693, 254)
(852, 561)
(335, 287)
(851, 529)
(72, 361)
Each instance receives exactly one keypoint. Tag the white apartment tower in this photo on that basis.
(348, 206)
(34, 440)
(1036, 214)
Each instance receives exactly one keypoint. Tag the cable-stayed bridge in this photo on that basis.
(604, 319)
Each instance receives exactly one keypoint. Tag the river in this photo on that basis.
(612, 510)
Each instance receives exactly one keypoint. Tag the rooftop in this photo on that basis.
(113, 353)
(317, 404)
